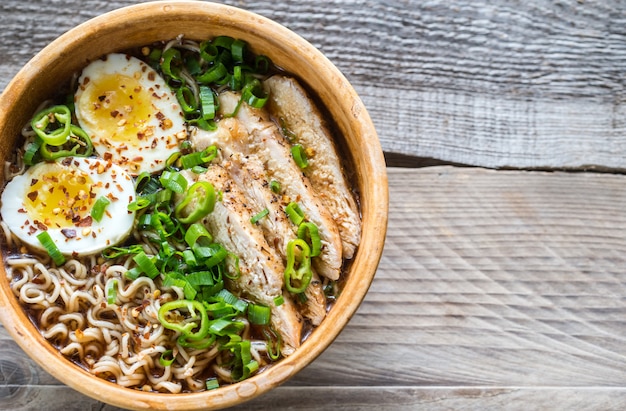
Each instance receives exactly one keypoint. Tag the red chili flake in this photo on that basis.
(41, 226)
(33, 181)
(68, 232)
(107, 156)
(119, 187)
(155, 95)
(32, 195)
(111, 197)
(160, 115)
(67, 161)
(114, 113)
(85, 222)
(32, 230)
(154, 143)
(102, 97)
(151, 76)
(21, 210)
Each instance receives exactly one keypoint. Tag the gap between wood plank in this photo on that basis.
(407, 161)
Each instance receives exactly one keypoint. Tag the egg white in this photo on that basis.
(130, 113)
(84, 235)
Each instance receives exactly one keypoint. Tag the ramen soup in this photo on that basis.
(178, 218)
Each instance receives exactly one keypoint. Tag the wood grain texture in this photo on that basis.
(489, 83)
(496, 289)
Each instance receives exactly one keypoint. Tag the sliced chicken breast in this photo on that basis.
(289, 102)
(253, 134)
(250, 176)
(261, 269)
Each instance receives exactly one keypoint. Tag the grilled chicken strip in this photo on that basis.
(253, 134)
(289, 102)
(261, 277)
(250, 176)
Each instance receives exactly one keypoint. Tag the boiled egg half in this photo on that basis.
(58, 197)
(131, 115)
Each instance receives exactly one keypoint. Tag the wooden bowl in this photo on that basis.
(143, 24)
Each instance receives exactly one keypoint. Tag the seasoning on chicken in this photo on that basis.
(301, 119)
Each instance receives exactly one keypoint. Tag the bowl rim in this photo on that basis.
(375, 178)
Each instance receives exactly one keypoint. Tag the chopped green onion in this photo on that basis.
(299, 155)
(199, 157)
(186, 99)
(111, 291)
(97, 211)
(212, 383)
(275, 186)
(114, 252)
(207, 103)
(133, 273)
(259, 314)
(237, 49)
(262, 64)
(224, 42)
(273, 342)
(295, 213)
(208, 51)
(214, 74)
(139, 203)
(254, 95)
(200, 278)
(278, 301)
(146, 265)
(197, 233)
(52, 249)
(174, 181)
(263, 213)
(211, 255)
(170, 60)
(32, 149)
(309, 232)
(167, 358)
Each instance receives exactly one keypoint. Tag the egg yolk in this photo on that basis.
(117, 106)
(60, 197)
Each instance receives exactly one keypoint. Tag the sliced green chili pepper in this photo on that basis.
(308, 231)
(78, 143)
(52, 125)
(302, 275)
(204, 194)
(194, 325)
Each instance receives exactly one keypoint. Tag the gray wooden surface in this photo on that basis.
(502, 285)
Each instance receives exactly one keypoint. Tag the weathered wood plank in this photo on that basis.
(499, 280)
(490, 83)
(370, 399)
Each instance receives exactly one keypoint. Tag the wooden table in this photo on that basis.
(502, 284)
